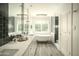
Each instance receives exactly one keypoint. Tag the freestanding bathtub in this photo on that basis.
(44, 38)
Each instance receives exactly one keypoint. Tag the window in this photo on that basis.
(11, 24)
(37, 27)
(41, 27)
(44, 27)
(19, 27)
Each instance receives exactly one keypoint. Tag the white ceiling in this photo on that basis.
(51, 9)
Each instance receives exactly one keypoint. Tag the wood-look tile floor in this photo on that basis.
(42, 49)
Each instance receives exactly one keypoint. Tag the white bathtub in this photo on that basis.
(47, 37)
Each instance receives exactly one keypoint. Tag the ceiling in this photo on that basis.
(51, 9)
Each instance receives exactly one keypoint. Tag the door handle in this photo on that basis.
(74, 27)
(75, 10)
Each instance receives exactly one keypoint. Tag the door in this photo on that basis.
(64, 38)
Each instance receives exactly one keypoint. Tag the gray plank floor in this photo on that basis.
(42, 49)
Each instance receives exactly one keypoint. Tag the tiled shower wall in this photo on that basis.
(3, 23)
